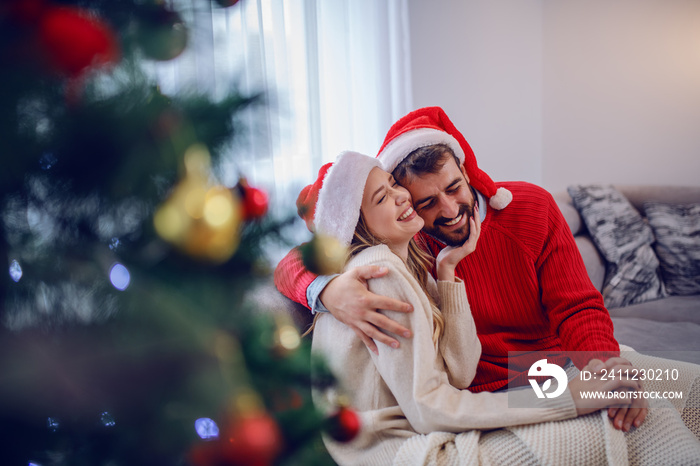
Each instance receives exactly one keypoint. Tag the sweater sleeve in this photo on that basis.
(292, 279)
(421, 387)
(460, 347)
(574, 306)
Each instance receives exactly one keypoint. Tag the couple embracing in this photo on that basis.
(464, 284)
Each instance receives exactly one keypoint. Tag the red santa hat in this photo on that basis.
(428, 126)
(333, 201)
(306, 201)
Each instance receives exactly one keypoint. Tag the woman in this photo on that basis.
(412, 399)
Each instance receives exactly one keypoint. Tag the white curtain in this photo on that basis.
(336, 72)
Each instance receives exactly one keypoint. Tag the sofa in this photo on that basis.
(667, 327)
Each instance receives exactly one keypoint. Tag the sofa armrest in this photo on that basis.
(594, 262)
(571, 215)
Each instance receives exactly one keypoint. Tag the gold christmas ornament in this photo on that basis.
(200, 219)
(324, 255)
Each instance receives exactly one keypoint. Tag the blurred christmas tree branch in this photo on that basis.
(126, 337)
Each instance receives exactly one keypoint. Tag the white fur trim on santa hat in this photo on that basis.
(405, 143)
(340, 197)
(501, 199)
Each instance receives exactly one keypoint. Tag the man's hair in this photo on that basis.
(427, 159)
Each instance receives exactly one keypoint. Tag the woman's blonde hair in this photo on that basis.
(418, 263)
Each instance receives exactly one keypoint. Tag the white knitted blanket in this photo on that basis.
(668, 435)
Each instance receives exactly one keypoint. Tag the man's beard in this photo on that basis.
(456, 237)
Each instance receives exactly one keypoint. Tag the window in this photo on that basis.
(336, 73)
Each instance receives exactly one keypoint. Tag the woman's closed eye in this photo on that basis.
(393, 183)
(380, 195)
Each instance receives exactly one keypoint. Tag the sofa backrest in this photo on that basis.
(637, 195)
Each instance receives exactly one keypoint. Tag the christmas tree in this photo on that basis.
(128, 334)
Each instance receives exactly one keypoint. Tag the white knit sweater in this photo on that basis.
(416, 389)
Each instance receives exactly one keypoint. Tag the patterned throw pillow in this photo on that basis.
(677, 231)
(624, 240)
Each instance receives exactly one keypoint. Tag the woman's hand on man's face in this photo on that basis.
(450, 256)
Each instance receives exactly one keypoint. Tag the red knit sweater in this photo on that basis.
(526, 284)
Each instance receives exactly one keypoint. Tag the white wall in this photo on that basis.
(565, 92)
(622, 92)
(482, 62)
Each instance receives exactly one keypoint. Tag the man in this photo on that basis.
(526, 281)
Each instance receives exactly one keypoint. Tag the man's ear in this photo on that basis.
(464, 172)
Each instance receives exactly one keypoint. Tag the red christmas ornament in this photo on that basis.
(226, 3)
(73, 40)
(255, 201)
(205, 453)
(344, 425)
(253, 440)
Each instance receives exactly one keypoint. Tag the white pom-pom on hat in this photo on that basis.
(501, 199)
(340, 195)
